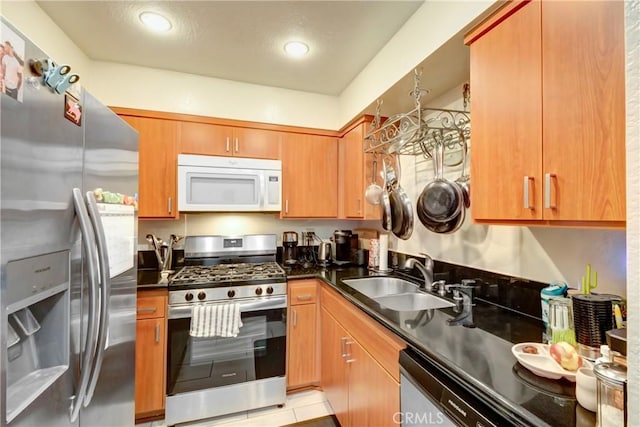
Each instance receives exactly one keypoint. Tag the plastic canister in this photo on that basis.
(555, 289)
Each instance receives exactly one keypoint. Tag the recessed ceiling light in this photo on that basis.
(296, 49)
(155, 22)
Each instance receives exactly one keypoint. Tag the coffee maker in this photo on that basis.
(289, 247)
(342, 242)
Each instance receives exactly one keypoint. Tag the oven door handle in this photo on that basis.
(254, 304)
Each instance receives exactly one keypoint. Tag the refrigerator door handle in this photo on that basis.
(92, 330)
(105, 293)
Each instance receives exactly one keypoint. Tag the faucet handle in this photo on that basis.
(441, 287)
(468, 283)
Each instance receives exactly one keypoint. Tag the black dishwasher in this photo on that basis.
(428, 397)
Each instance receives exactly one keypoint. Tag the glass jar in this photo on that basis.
(612, 394)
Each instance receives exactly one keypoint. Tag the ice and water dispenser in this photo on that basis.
(38, 322)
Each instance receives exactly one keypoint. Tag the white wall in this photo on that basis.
(429, 27)
(27, 17)
(539, 253)
(632, 25)
(229, 224)
(123, 85)
(153, 89)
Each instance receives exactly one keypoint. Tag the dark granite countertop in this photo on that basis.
(479, 359)
(150, 279)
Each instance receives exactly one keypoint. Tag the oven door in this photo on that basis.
(258, 352)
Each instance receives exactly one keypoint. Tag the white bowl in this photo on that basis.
(586, 389)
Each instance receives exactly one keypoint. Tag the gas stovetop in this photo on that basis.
(227, 274)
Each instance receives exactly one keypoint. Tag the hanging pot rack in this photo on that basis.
(419, 130)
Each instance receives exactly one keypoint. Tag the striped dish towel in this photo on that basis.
(215, 320)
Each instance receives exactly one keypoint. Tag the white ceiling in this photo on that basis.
(239, 40)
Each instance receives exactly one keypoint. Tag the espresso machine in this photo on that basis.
(289, 247)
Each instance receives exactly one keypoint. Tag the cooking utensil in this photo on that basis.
(464, 180)
(168, 255)
(441, 199)
(401, 208)
(385, 201)
(156, 247)
(373, 192)
(432, 224)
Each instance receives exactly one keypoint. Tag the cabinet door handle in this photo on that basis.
(547, 190)
(295, 318)
(228, 144)
(286, 206)
(527, 182)
(348, 355)
(170, 204)
(147, 310)
(305, 297)
(358, 205)
(157, 332)
(343, 347)
(237, 145)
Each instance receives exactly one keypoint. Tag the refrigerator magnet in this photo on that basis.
(72, 110)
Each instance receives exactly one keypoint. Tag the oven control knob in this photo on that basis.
(258, 291)
(269, 290)
(201, 296)
(188, 296)
(231, 293)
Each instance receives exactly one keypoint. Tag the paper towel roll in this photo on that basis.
(384, 252)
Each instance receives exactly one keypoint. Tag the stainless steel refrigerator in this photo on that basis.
(68, 250)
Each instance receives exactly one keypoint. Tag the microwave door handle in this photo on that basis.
(105, 293)
(90, 343)
(265, 187)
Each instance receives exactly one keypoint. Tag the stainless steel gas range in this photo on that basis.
(213, 375)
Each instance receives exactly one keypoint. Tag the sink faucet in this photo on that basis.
(426, 269)
(463, 292)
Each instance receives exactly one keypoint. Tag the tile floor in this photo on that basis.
(300, 406)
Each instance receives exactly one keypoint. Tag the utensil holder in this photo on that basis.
(592, 317)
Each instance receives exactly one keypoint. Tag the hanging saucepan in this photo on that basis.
(401, 208)
(441, 200)
(435, 226)
(388, 175)
(464, 180)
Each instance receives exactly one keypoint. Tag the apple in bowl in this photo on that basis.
(565, 355)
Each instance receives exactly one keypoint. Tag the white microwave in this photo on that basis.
(228, 184)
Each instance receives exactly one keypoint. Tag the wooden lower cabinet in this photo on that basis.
(335, 381)
(359, 365)
(302, 334)
(151, 353)
(374, 396)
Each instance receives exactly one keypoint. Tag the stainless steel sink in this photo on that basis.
(412, 302)
(380, 286)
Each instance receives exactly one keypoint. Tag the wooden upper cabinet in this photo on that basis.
(583, 92)
(548, 114)
(219, 140)
(351, 174)
(157, 166)
(309, 176)
(355, 173)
